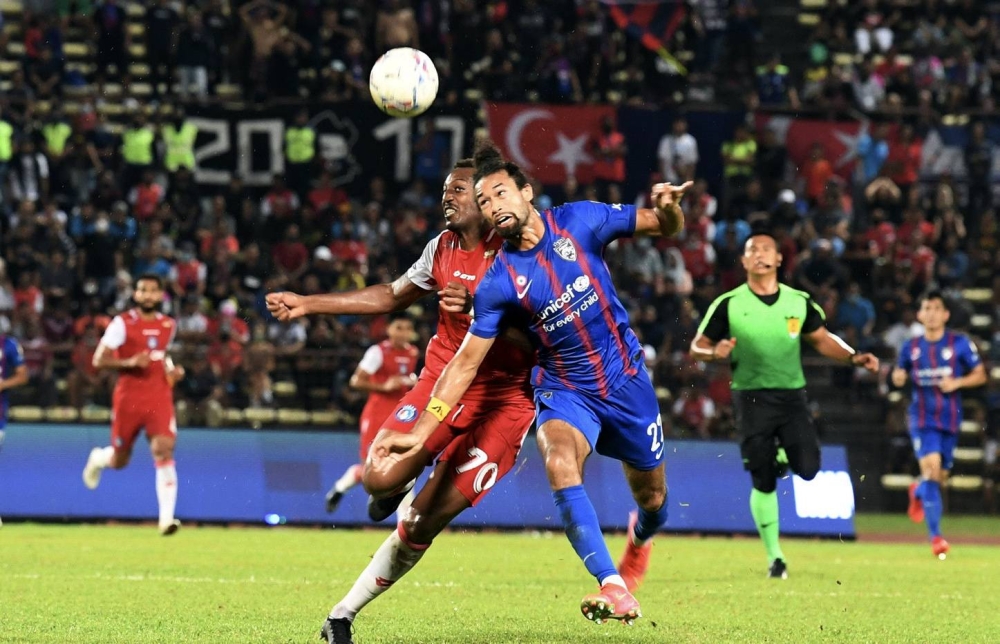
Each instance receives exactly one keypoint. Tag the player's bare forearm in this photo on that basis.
(19, 379)
(362, 381)
(372, 300)
(452, 384)
(831, 346)
(104, 358)
(975, 378)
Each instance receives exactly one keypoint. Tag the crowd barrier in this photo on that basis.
(279, 476)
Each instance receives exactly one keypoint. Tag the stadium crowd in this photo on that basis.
(88, 206)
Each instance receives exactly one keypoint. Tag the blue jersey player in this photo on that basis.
(13, 373)
(591, 391)
(940, 364)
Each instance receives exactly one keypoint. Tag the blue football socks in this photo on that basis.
(584, 531)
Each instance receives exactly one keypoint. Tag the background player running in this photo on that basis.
(13, 373)
(386, 372)
(760, 327)
(591, 390)
(940, 363)
(479, 442)
(136, 344)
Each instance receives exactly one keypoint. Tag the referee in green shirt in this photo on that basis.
(759, 327)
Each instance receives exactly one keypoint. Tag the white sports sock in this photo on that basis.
(613, 579)
(102, 456)
(349, 479)
(392, 560)
(166, 491)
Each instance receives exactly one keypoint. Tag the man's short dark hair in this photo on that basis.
(935, 294)
(466, 163)
(152, 277)
(489, 161)
(400, 315)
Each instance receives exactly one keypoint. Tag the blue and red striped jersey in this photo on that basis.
(561, 292)
(927, 363)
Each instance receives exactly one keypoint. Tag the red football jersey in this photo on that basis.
(507, 368)
(129, 334)
(381, 362)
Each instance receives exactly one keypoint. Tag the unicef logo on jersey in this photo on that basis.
(581, 284)
(406, 414)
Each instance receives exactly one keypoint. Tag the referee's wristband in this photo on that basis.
(438, 409)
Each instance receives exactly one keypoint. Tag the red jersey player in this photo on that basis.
(135, 344)
(386, 372)
(478, 443)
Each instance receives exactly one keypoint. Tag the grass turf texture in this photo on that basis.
(106, 584)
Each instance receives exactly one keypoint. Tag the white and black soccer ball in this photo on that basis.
(403, 82)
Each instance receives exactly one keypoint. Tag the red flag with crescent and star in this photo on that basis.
(549, 142)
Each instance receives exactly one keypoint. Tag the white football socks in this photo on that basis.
(166, 491)
(392, 560)
(349, 479)
(102, 457)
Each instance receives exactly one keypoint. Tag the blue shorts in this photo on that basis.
(625, 426)
(930, 441)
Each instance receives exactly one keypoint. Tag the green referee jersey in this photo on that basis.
(768, 331)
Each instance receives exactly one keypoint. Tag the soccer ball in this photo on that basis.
(403, 82)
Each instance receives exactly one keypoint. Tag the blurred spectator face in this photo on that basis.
(494, 41)
(458, 202)
(680, 126)
(816, 151)
(354, 48)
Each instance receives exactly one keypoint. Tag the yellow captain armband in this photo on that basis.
(438, 409)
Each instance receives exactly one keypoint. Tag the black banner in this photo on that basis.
(355, 139)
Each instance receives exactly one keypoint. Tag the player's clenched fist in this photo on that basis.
(898, 377)
(455, 298)
(286, 306)
(141, 360)
(723, 348)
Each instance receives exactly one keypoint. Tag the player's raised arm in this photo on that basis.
(449, 389)
(665, 217)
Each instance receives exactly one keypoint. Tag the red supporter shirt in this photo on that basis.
(610, 168)
(290, 256)
(884, 236)
(129, 334)
(381, 362)
(505, 372)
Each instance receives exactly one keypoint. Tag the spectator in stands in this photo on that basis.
(291, 257)
(39, 360)
(873, 150)
(192, 324)
(300, 154)
(979, 169)
(770, 164)
(868, 87)
(227, 327)
(112, 40)
(29, 173)
(774, 84)
(693, 411)
(953, 265)
(188, 274)
(146, 196)
(678, 153)
(161, 39)
(178, 135)
(855, 312)
(902, 164)
(264, 21)
(815, 173)
(196, 55)
(57, 278)
(609, 151)
(820, 271)
(259, 364)
(86, 384)
(738, 158)
(200, 394)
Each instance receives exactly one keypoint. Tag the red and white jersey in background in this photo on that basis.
(129, 334)
(383, 361)
(507, 368)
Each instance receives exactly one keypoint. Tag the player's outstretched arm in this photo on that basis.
(665, 217)
(831, 346)
(371, 300)
(451, 385)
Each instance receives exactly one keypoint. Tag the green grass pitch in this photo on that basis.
(111, 584)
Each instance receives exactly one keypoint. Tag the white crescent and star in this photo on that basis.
(570, 152)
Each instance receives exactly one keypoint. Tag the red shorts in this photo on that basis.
(128, 420)
(372, 418)
(480, 439)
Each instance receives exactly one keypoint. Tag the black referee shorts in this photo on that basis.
(768, 418)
